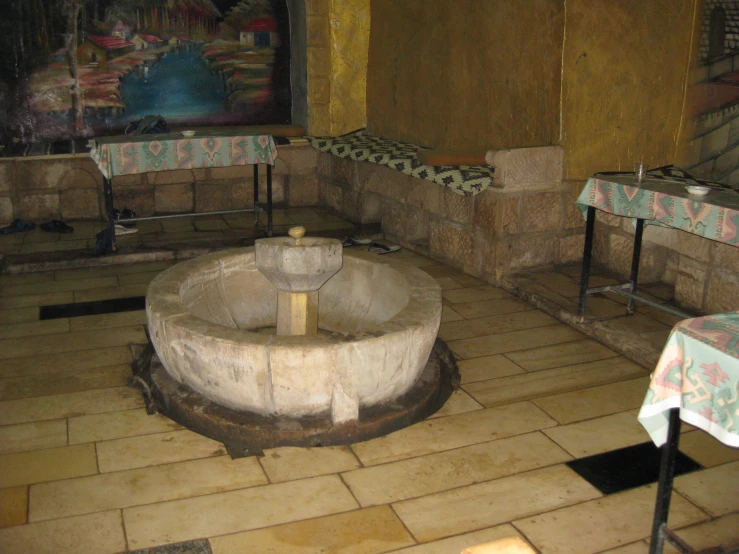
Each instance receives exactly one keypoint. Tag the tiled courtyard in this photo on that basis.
(84, 469)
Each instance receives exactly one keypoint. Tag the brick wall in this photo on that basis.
(731, 41)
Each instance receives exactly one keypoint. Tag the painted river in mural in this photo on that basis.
(178, 86)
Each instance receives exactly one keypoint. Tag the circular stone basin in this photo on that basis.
(378, 320)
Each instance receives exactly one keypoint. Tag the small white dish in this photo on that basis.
(188, 134)
(697, 190)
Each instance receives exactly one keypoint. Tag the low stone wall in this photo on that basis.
(71, 187)
(529, 220)
(705, 273)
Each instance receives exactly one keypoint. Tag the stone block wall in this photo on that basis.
(529, 220)
(705, 273)
(71, 187)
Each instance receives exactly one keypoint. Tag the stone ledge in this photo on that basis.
(536, 168)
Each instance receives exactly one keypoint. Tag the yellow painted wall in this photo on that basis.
(466, 73)
(624, 72)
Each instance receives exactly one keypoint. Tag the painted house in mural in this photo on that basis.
(260, 32)
(144, 41)
(122, 30)
(98, 49)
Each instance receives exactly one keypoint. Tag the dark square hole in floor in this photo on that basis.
(98, 307)
(627, 468)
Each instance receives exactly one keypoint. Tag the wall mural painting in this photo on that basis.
(77, 68)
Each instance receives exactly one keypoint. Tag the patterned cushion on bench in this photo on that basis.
(468, 180)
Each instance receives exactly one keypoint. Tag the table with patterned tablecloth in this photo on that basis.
(127, 155)
(660, 199)
(697, 381)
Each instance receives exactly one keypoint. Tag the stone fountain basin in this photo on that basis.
(380, 318)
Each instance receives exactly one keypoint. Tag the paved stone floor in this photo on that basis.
(84, 469)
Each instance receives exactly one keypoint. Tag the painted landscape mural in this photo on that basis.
(77, 68)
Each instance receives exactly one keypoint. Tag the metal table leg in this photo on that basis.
(256, 191)
(664, 487)
(269, 200)
(638, 232)
(587, 257)
(109, 210)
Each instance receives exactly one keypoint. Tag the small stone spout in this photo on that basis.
(298, 266)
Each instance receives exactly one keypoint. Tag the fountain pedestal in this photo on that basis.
(298, 266)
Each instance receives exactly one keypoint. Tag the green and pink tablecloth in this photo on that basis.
(665, 202)
(698, 373)
(126, 155)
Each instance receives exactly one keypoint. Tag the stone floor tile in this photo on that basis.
(107, 293)
(639, 547)
(33, 436)
(69, 405)
(58, 246)
(722, 532)
(108, 321)
(557, 282)
(515, 340)
(100, 533)
(117, 425)
(155, 449)
(136, 487)
(494, 502)
(469, 280)
(706, 450)
(178, 225)
(639, 323)
(558, 355)
(446, 433)
(33, 300)
(290, 463)
(112, 270)
(603, 523)
(368, 531)
(48, 287)
(70, 342)
(715, 490)
(478, 327)
(82, 359)
(447, 283)
(24, 468)
(448, 314)
(18, 315)
(13, 506)
(552, 381)
(487, 367)
(474, 294)
(10, 279)
(657, 337)
(423, 475)
(459, 402)
(595, 401)
(491, 307)
(39, 235)
(599, 435)
(202, 224)
(34, 328)
(64, 382)
(454, 545)
(235, 511)
(599, 307)
(137, 278)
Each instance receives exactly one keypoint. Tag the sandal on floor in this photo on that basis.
(17, 226)
(351, 241)
(377, 248)
(56, 226)
(121, 230)
(122, 216)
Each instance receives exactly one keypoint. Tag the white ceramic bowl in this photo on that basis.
(697, 190)
(188, 134)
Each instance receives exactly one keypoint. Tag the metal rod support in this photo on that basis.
(191, 214)
(587, 257)
(636, 255)
(664, 487)
(619, 289)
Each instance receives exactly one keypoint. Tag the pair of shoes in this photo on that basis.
(103, 242)
(17, 226)
(121, 230)
(122, 216)
(377, 248)
(56, 226)
(351, 241)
